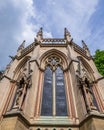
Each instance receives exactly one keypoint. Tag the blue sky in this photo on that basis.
(21, 19)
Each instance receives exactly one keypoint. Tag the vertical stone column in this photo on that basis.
(31, 99)
(38, 96)
(32, 92)
(67, 82)
(73, 110)
(6, 90)
(54, 94)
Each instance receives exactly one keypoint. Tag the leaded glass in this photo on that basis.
(94, 100)
(47, 93)
(61, 107)
(54, 98)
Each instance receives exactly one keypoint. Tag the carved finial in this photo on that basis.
(39, 36)
(67, 36)
(84, 45)
(22, 46)
(40, 33)
(85, 48)
(66, 33)
(12, 57)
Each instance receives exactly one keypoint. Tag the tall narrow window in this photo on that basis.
(61, 107)
(54, 98)
(94, 100)
(47, 94)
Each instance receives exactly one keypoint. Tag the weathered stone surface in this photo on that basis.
(81, 98)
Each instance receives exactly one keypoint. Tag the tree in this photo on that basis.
(99, 61)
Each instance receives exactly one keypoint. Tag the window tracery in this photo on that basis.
(53, 62)
(54, 98)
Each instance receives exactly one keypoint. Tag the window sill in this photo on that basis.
(53, 120)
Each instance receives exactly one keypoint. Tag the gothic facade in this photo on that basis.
(52, 84)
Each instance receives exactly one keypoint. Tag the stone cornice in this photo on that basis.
(51, 42)
(90, 116)
(25, 51)
(17, 114)
(81, 51)
(66, 122)
(47, 121)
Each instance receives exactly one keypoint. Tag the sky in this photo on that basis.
(21, 19)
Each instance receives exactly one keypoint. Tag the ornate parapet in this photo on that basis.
(26, 50)
(53, 41)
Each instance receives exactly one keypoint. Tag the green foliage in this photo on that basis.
(99, 61)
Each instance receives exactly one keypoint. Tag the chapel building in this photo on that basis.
(52, 84)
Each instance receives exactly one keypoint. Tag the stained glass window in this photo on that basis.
(61, 107)
(47, 93)
(54, 97)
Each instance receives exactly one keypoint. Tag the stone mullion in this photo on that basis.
(54, 94)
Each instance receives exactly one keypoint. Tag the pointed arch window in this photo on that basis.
(47, 93)
(61, 109)
(54, 97)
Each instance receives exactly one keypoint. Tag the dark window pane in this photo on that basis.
(61, 107)
(46, 109)
(94, 100)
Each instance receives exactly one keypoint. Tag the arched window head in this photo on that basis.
(53, 62)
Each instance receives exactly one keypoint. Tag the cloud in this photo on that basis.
(20, 20)
(54, 15)
(72, 14)
(27, 29)
(96, 40)
(15, 26)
